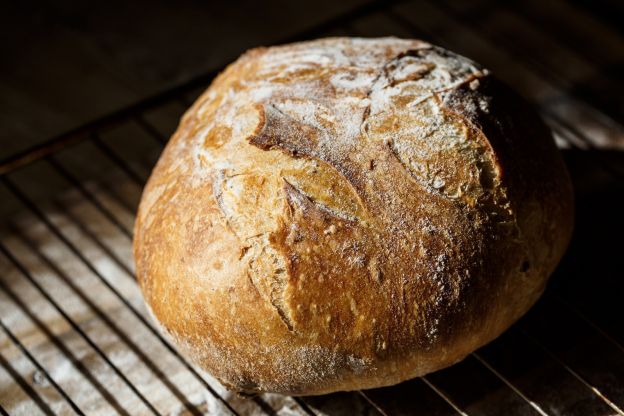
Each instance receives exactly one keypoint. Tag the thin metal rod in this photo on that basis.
(442, 394)
(39, 367)
(125, 205)
(584, 318)
(565, 130)
(510, 385)
(566, 42)
(76, 327)
(121, 334)
(116, 159)
(152, 131)
(372, 402)
(67, 212)
(301, 402)
(64, 350)
(56, 232)
(88, 195)
(43, 406)
(427, 383)
(573, 373)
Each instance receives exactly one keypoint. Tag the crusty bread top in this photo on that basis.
(347, 213)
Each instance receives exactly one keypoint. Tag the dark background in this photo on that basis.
(64, 63)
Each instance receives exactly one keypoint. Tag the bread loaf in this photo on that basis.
(347, 213)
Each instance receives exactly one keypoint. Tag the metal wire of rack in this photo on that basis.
(76, 338)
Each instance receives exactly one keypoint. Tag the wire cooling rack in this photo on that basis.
(75, 336)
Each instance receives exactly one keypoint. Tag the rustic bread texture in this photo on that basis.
(349, 213)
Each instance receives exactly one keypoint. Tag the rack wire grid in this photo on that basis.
(75, 336)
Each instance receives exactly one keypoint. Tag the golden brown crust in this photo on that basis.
(349, 213)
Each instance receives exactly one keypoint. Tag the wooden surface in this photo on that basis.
(68, 296)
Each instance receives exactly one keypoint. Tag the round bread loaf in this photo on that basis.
(349, 213)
